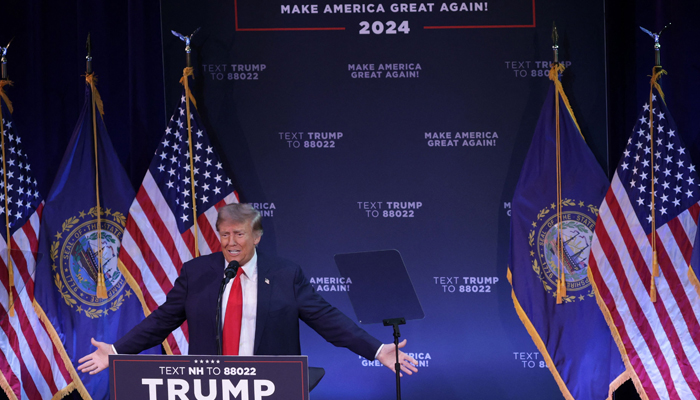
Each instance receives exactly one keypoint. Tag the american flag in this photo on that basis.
(659, 340)
(31, 364)
(159, 234)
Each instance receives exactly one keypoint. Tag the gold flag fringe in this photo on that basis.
(538, 342)
(7, 388)
(77, 384)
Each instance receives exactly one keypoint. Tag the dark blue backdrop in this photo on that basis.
(46, 61)
(320, 202)
(453, 201)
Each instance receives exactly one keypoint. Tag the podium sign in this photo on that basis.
(164, 377)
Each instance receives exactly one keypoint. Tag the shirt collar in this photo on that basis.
(250, 269)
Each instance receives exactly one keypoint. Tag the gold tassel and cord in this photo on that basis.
(10, 269)
(561, 278)
(91, 79)
(657, 73)
(188, 97)
(559, 94)
(125, 271)
(654, 84)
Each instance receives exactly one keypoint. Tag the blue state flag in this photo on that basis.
(554, 211)
(76, 253)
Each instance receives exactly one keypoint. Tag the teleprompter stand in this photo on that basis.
(382, 272)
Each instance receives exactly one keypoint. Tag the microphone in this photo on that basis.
(229, 273)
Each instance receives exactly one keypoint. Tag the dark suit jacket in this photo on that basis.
(287, 298)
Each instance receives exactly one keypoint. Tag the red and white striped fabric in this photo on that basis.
(32, 365)
(159, 234)
(659, 340)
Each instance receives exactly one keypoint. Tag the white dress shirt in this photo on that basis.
(249, 286)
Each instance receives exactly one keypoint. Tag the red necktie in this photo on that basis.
(234, 313)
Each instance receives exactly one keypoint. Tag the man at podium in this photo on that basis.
(261, 305)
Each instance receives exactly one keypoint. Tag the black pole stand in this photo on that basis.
(395, 322)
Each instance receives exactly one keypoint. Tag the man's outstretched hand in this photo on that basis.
(97, 360)
(387, 356)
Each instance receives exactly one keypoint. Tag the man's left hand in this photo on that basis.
(387, 356)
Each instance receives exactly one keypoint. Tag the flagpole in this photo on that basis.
(188, 71)
(4, 81)
(91, 79)
(657, 71)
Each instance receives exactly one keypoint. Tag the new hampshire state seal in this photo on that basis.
(576, 227)
(75, 262)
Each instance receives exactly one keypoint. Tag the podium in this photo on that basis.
(165, 377)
